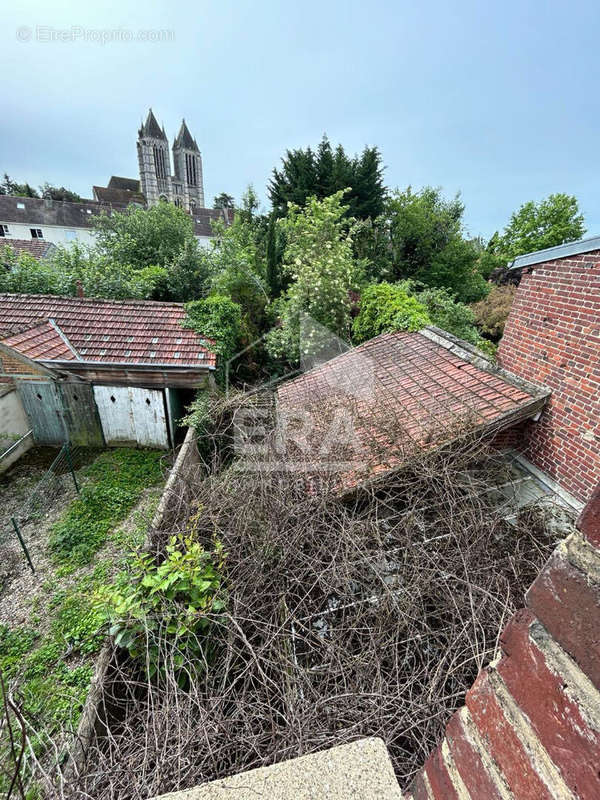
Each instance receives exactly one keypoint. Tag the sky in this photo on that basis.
(497, 101)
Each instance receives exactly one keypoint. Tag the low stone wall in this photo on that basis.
(530, 727)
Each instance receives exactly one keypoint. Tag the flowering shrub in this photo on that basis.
(319, 260)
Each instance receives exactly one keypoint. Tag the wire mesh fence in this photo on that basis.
(59, 480)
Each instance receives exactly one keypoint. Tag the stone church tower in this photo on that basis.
(185, 188)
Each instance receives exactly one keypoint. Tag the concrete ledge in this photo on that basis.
(361, 770)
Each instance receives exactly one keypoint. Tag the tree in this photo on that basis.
(275, 248)
(536, 226)
(320, 263)
(385, 308)
(24, 274)
(492, 312)
(223, 200)
(426, 243)
(189, 274)
(142, 237)
(304, 174)
(10, 187)
(50, 192)
(69, 266)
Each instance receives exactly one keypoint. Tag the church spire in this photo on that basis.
(185, 139)
(152, 128)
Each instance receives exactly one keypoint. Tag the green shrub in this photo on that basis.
(386, 308)
(216, 318)
(160, 611)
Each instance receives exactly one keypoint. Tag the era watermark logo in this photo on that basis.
(47, 34)
(309, 419)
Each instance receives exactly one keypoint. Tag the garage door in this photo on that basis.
(130, 415)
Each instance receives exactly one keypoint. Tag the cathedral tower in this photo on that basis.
(188, 182)
(154, 161)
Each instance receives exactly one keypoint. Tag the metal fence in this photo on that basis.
(56, 481)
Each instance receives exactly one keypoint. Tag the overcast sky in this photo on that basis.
(496, 100)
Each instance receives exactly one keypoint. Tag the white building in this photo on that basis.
(62, 223)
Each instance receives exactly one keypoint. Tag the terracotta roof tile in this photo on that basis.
(412, 383)
(37, 248)
(104, 330)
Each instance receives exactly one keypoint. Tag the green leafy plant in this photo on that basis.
(386, 308)
(219, 320)
(164, 610)
(320, 263)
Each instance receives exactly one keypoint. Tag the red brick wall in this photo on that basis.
(529, 727)
(552, 336)
(14, 366)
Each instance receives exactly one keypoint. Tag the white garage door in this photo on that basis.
(130, 415)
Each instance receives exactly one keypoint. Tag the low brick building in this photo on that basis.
(552, 337)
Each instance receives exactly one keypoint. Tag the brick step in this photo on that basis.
(560, 702)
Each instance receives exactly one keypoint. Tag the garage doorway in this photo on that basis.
(131, 415)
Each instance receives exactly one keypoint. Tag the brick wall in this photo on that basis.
(14, 366)
(552, 336)
(530, 726)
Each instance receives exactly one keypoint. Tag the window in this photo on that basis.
(190, 168)
(36, 233)
(70, 236)
(21, 206)
(3, 230)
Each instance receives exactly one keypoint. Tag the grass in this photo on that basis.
(117, 480)
(49, 672)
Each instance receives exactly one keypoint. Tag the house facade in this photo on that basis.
(61, 223)
(552, 337)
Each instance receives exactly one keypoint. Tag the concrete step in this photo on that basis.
(361, 770)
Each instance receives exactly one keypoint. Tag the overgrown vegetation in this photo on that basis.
(46, 664)
(172, 601)
(369, 616)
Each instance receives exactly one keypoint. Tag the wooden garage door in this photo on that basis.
(130, 415)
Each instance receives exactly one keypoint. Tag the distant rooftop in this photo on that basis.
(38, 211)
(37, 248)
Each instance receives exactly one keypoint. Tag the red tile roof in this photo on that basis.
(105, 331)
(35, 247)
(407, 390)
(42, 340)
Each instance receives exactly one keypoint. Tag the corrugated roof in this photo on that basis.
(104, 331)
(410, 389)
